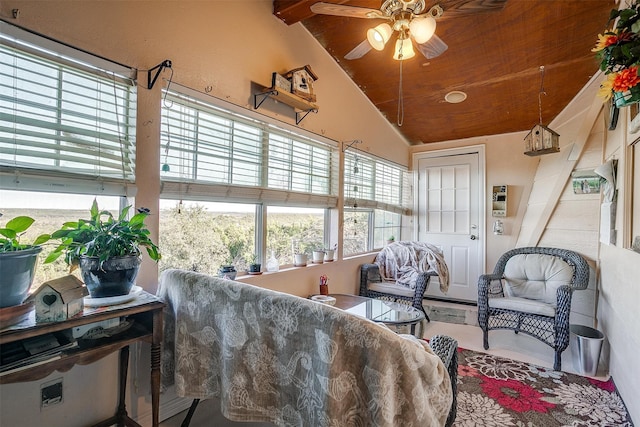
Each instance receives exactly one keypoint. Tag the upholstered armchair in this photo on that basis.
(530, 291)
(401, 273)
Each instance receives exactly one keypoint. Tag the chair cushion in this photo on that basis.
(536, 277)
(391, 288)
(523, 304)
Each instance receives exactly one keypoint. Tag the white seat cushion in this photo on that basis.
(391, 288)
(523, 304)
(536, 277)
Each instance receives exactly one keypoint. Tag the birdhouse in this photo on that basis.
(302, 82)
(541, 140)
(59, 299)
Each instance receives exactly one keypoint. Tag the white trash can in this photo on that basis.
(586, 344)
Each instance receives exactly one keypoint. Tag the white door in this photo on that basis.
(450, 194)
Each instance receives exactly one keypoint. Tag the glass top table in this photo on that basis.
(387, 312)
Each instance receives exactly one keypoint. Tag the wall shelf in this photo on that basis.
(287, 98)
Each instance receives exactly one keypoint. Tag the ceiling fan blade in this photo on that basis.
(457, 8)
(432, 47)
(359, 51)
(349, 11)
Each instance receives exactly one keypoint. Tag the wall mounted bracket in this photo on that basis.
(300, 115)
(287, 98)
(348, 144)
(161, 66)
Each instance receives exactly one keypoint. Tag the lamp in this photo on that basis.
(379, 36)
(404, 48)
(422, 29)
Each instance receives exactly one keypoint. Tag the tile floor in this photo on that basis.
(502, 343)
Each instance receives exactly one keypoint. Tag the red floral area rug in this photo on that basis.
(494, 391)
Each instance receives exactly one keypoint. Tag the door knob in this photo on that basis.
(473, 237)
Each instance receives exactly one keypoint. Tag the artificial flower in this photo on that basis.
(626, 79)
(606, 87)
(610, 38)
(618, 51)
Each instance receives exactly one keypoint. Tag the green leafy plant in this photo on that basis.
(104, 237)
(13, 230)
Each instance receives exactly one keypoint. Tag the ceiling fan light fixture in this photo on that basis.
(404, 50)
(422, 29)
(455, 97)
(379, 35)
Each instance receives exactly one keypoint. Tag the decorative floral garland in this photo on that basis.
(618, 50)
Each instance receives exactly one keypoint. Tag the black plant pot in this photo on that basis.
(254, 268)
(116, 277)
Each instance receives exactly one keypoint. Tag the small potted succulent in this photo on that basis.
(254, 266)
(17, 260)
(106, 249)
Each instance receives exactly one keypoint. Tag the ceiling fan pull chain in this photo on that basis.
(400, 117)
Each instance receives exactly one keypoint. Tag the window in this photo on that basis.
(67, 126)
(294, 230)
(376, 195)
(216, 155)
(298, 165)
(50, 211)
(198, 236)
(65, 120)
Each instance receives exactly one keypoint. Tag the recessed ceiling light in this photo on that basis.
(455, 96)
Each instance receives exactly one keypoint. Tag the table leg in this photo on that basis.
(121, 418)
(156, 342)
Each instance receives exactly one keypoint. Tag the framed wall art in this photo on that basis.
(585, 182)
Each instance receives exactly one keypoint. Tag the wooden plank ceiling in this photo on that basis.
(493, 56)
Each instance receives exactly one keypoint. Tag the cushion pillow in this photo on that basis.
(536, 277)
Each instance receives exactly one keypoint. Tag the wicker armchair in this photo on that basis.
(530, 291)
(447, 349)
(372, 286)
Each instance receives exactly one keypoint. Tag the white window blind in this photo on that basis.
(214, 154)
(372, 183)
(209, 147)
(298, 165)
(64, 121)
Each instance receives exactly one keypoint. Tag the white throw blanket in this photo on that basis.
(275, 357)
(403, 261)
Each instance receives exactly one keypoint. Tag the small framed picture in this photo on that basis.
(585, 182)
(280, 82)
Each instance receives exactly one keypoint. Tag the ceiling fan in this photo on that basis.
(407, 18)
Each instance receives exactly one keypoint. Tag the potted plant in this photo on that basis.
(618, 51)
(228, 269)
(106, 249)
(254, 266)
(17, 260)
(391, 239)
